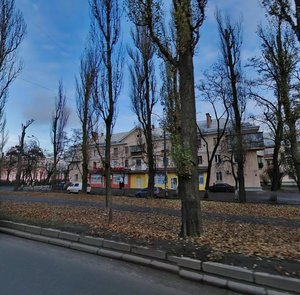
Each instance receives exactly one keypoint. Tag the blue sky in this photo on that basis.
(56, 35)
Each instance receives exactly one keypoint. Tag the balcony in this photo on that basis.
(136, 150)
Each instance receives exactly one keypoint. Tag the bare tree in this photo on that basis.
(287, 10)
(12, 32)
(215, 91)
(231, 41)
(187, 17)
(59, 120)
(279, 66)
(11, 160)
(270, 69)
(106, 16)
(21, 153)
(143, 91)
(71, 153)
(84, 88)
(32, 158)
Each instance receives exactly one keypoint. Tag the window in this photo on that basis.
(199, 142)
(166, 162)
(94, 165)
(219, 176)
(218, 158)
(115, 152)
(126, 150)
(215, 141)
(115, 163)
(159, 179)
(138, 163)
(126, 163)
(76, 177)
(117, 178)
(96, 179)
(200, 160)
(260, 162)
(201, 179)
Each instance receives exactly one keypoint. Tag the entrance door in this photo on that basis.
(173, 183)
(138, 182)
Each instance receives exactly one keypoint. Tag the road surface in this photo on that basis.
(30, 267)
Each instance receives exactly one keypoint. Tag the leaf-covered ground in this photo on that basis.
(248, 243)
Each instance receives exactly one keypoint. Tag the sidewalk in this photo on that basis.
(234, 278)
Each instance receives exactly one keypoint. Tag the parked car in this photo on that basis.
(221, 187)
(144, 193)
(59, 186)
(76, 187)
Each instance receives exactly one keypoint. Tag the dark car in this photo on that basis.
(221, 187)
(144, 193)
(59, 186)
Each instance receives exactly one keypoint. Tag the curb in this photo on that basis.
(231, 277)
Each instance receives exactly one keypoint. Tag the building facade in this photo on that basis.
(129, 159)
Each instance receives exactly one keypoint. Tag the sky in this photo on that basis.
(56, 35)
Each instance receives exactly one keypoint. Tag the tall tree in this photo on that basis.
(71, 154)
(12, 32)
(214, 90)
(187, 17)
(143, 91)
(21, 153)
(60, 117)
(231, 41)
(281, 61)
(287, 10)
(89, 67)
(106, 36)
(270, 70)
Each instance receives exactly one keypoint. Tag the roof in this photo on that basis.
(214, 126)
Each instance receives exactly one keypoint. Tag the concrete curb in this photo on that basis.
(221, 275)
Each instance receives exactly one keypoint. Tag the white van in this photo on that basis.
(76, 187)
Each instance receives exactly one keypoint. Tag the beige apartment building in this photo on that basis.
(129, 159)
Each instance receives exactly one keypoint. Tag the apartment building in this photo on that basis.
(129, 159)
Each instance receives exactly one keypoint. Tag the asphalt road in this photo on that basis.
(29, 267)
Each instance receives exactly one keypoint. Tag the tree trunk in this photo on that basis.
(275, 185)
(84, 146)
(151, 168)
(188, 181)
(295, 152)
(238, 129)
(297, 5)
(208, 178)
(20, 159)
(108, 197)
